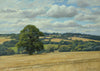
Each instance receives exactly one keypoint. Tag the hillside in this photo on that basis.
(67, 61)
(69, 39)
(88, 36)
(4, 39)
(83, 39)
(67, 42)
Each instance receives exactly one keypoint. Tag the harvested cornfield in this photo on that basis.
(67, 61)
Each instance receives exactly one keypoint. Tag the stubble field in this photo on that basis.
(66, 61)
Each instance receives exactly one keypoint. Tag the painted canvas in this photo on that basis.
(49, 35)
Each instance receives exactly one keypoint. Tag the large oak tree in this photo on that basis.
(29, 39)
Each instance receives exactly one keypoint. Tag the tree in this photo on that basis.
(50, 48)
(64, 48)
(29, 39)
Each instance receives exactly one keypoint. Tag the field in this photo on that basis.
(55, 40)
(72, 38)
(83, 39)
(50, 45)
(67, 61)
(4, 39)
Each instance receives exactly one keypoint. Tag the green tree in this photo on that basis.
(29, 39)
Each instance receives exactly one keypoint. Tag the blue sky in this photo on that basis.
(78, 16)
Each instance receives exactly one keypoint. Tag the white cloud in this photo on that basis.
(92, 29)
(84, 3)
(62, 27)
(15, 14)
(23, 8)
(20, 24)
(21, 4)
(66, 24)
(41, 3)
(96, 26)
(8, 10)
(62, 11)
(84, 10)
(88, 15)
(85, 17)
(12, 13)
(45, 25)
(33, 13)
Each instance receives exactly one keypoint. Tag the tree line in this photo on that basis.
(27, 41)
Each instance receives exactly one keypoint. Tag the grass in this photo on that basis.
(14, 48)
(67, 61)
(49, 45)
(4, 39)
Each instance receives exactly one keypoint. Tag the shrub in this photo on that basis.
(50, 48)
(97, 48)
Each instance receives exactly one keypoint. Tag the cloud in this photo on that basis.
(61, 11)
(86, 17)
(92, 29)
(8, 10)
(79, 3)
(97, 12)
(33, 13)
(84, 3)
(96, 26)
(40, 3)
(25, 4)
(50, 15)
(46, 25)
(23, 8)
(12, 13)
(62, 27)
(66, 24)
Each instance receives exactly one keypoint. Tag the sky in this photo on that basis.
(59, 16)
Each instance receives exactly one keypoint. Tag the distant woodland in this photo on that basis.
(53, 42)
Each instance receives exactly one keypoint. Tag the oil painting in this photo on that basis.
(49, 35)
